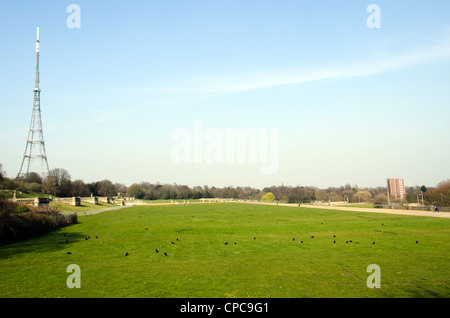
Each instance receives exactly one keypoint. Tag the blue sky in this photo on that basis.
(352, 104)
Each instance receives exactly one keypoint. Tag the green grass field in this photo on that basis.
(265, 262)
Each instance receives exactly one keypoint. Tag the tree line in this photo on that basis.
(58, 183)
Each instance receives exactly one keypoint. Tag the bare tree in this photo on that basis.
(33, 177)
(58, 182)
(107, 188)
(2, 175)
(443, 182)
(80, 189)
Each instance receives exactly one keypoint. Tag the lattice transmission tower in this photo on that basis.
(35, 148)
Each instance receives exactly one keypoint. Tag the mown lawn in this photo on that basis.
(265, 262)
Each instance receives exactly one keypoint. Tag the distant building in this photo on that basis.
(396, 188)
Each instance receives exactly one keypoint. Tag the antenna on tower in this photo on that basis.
(35, 148)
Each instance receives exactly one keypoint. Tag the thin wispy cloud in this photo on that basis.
(369, 66)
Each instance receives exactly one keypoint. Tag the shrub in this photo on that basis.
(22, 209)
(17, 224)
(268, 197)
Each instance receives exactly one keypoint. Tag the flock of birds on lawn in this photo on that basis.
(226, 243)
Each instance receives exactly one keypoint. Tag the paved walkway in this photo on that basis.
(93, 212)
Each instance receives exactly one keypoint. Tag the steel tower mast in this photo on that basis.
(35, 148)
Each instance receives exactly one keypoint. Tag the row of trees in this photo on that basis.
(352, 194)
(58, 183)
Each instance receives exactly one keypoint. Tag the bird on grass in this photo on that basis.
(254, 238)
(157, 251)
(235, 243)
(417, 242)
(177, 238)
(373, 243)
(96, 237)
(226, 243)
(293, 239)
(334, 242)
(312, 236)
(69, 253)
(172, 242)
(301, 242)
(86, 238)
(165, 253)
(126, 254)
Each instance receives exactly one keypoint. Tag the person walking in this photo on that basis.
(436, 208)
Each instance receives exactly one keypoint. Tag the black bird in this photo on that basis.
(177, 238)
(312, 236)
(226, 243)
(293, 239)
(334, 235)
(334, 242)
(382, 223)
(301, 241)
(235, 243)
(86, 238)
(172, 242)
(89, 237)
(417, 242)
(69, 253)
(64, 234)
(165, 253)
(126, 254)
(346, 242)
(254, 238)
(350, 241)
(157, 251)
(373, 243)
(96, 237)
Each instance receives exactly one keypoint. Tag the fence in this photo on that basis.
(32, 201)
(75, 201)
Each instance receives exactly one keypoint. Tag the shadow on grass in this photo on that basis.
(49, 242)
(428, 292)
